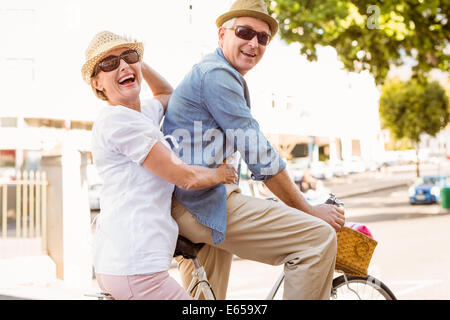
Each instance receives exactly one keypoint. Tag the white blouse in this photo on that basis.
(136, 233)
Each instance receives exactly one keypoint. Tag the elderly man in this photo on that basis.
(209, 114)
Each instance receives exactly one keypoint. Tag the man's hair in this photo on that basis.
(229, 23)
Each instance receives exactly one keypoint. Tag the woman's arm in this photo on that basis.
(160, 87)
(163, 163)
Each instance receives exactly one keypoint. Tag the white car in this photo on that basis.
(355, 165)
(339, 169)
(320, 170)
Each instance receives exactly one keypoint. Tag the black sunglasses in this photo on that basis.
(247, 33)
(111, 63)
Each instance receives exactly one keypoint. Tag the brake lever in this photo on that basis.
(335, 201)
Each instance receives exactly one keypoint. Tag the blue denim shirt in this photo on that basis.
(209, 116)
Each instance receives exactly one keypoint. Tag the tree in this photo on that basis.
(370, 37)
(409, 109)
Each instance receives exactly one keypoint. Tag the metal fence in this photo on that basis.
(24, 206)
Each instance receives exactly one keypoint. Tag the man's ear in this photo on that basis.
(221, 34)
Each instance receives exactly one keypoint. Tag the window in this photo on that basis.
(7, 158)
(300, 150)
(8, 122)
(49, 123)
(17, 57)
(18, 32)
(356, 148)
(81, 125)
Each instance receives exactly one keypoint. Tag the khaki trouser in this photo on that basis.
(265, 231)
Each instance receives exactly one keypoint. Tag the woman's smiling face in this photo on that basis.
(121, 85)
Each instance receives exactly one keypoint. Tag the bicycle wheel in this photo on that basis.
(360, 288)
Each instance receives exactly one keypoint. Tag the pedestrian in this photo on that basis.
(136, 235)
(209, 113)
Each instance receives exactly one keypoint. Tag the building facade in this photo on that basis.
(45, 102)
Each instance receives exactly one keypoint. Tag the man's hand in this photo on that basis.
(331, 214)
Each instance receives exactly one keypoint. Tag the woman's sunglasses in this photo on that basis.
(247, 33)
(111, 63)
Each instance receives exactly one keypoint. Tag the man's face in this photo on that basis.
(242, 54)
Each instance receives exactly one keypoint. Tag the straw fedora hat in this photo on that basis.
(100, 45)
(249, 8)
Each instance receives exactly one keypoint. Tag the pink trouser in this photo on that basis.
(153, 286)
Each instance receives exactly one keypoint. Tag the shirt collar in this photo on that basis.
(221, 56)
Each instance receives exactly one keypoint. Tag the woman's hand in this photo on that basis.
(228, 173)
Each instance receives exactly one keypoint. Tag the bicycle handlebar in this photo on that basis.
(334, 201)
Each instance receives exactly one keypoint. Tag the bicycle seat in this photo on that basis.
(187, 248)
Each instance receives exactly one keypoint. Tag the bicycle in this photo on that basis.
(346, 287)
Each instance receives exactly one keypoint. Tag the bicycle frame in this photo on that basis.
(200, 280)
(280, 280)
(275, 287)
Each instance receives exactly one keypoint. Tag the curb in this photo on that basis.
(373, 189)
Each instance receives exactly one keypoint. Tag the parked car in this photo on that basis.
(339, 169)
(355, 165)
(320, 170)
(427, 189)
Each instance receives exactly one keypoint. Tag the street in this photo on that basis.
(412, 257)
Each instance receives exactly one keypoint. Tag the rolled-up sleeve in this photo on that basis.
(130, 134)
(223, 96)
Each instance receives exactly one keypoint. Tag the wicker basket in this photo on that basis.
(354, 252)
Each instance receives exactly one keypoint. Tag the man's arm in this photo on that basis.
(285, 189)
(226, 103)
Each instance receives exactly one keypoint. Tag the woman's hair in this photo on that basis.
(99, 94)
(229, 23)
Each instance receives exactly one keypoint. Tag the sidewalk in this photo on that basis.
(34, 277)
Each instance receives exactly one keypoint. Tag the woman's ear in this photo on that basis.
(96, 84)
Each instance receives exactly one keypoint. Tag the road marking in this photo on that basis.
(416, 285)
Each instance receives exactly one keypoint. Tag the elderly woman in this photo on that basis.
(136, 235)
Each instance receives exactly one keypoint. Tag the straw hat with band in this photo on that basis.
(249, 8)
(99, 47)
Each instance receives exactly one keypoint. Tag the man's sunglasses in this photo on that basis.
(111, 63)
(247, 33)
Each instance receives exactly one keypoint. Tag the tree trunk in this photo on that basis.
(417, 161)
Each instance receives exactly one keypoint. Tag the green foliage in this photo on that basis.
(414, 107)
(369, 35)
